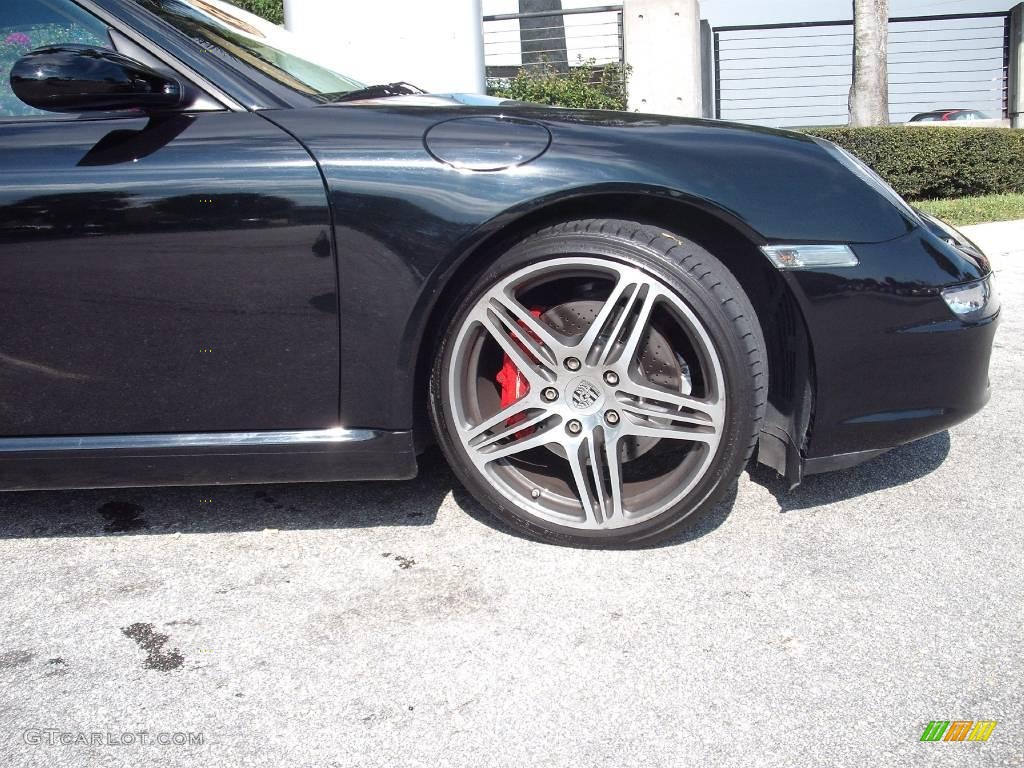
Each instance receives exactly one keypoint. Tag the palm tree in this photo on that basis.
(869, 94)
(543, 37)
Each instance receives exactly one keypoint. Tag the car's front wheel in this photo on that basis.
(600, 384)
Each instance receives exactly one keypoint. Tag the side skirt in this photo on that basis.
(205, 458)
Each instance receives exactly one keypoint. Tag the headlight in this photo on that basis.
(875, 181)
(971, 301)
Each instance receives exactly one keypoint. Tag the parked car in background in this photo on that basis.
(946, 115)
(222, 263)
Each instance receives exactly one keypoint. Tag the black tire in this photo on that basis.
(714, 295)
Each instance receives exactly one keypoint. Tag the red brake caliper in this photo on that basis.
(513, 384)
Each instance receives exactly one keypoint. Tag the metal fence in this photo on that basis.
(800, 74)
(551, 42)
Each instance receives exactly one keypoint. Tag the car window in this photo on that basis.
(25, 26)
(225, 33)
(966, 115)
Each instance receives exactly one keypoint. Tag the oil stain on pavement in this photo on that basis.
(405, 563)
(153, 643)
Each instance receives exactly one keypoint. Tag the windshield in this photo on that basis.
(235, 36)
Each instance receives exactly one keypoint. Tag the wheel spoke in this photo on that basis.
(535, 372)
(658, 400)
(634, 327)
(656, 412)
(596, 474)
(520, 407)
(536, 439)
(533, 417)
(669, 431)
(577, 463)
(621, 325)
(531, 331)
(610, 453)
(593, 342)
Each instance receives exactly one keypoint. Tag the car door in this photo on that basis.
(158, 274)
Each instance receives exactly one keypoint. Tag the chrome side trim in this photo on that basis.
(186, 440)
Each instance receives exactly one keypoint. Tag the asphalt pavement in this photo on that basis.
(393, 624)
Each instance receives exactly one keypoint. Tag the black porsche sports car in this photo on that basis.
(222, 263)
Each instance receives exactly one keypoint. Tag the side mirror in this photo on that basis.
(83, 78)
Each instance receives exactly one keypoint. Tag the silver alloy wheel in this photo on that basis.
(589, 402)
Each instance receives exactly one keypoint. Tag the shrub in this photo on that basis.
(923, 163)
(271, 10)
(586, 86)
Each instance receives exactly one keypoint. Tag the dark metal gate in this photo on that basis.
(800, 74)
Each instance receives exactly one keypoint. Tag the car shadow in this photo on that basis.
(311, 506)
(897, 467)
(228, 508)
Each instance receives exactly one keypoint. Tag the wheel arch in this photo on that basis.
(791, 365)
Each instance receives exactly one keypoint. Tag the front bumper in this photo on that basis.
(892, 362)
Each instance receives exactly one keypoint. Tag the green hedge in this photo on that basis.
(271, 10)
(928, 163)
(587, 85)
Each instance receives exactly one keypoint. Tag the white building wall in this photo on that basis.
(435, 45)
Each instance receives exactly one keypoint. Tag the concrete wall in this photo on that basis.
(663, 48)
(435, 45)
(1016, 73)
(707, 70)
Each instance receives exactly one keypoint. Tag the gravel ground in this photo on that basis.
(380, 624)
